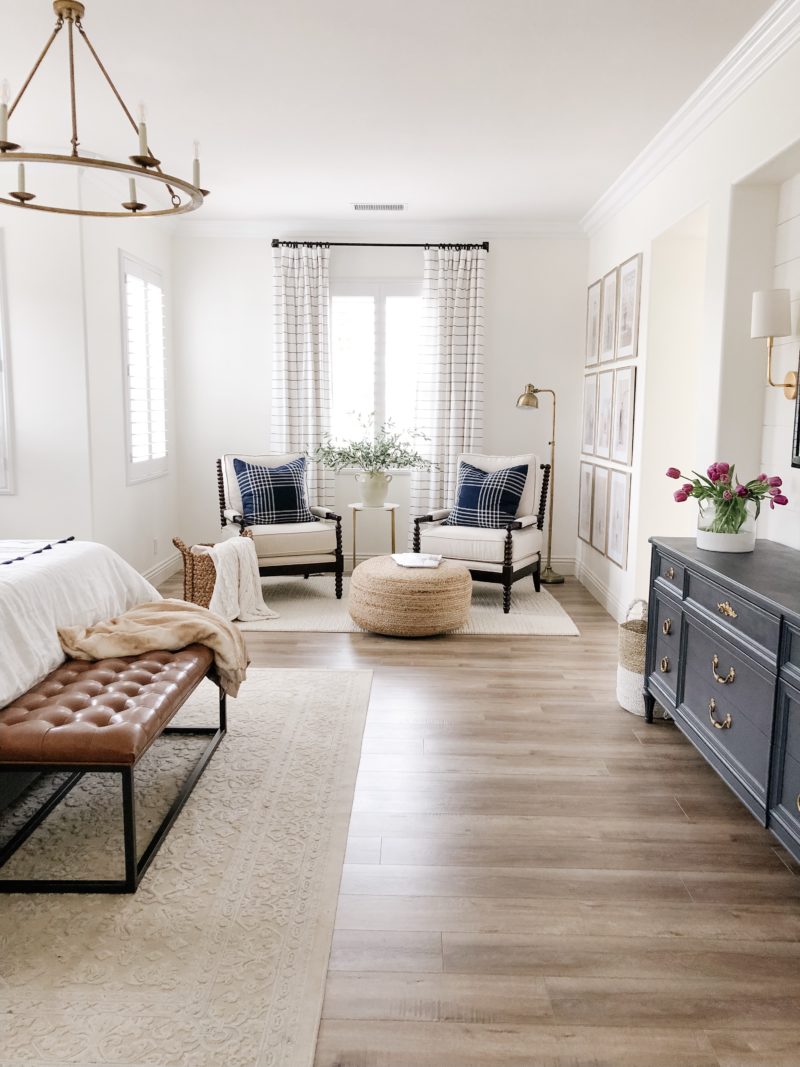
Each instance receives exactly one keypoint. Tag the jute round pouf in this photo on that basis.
(386, 598)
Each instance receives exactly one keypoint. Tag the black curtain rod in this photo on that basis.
(373, 244)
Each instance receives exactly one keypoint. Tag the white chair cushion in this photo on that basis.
(294, 539)
(528, 503)
(233, 498)
(472, 544)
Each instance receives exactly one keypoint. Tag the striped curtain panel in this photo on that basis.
(449, 399)
(301, 375)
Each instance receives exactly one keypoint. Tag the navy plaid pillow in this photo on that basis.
(273, 494)
(487, 499)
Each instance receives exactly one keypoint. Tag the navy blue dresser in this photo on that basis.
(723, 657)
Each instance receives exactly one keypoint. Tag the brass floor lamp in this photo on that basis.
(530, 399)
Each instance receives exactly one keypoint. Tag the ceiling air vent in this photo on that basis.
(361, 206)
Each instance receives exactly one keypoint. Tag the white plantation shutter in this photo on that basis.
(145, 370)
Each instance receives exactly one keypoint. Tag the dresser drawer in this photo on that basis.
(668, 617)
(788, 803)
(668, 574)
(734, 679)
(790, 720)
(792, 664)
(735, 616)
(733, 737)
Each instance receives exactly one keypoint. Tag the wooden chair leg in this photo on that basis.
(537, 577)
(506, 596)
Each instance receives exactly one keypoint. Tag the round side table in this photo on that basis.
(390, 508)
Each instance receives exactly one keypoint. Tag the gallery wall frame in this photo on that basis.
(618, 520)
(608, 316)
(605, 405)
(585, 490)
(623, 415)
(589, 424)
(796, 433)
(600, 509)
(630, 290)
(593, 301)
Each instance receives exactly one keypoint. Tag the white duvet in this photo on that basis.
(78, 583)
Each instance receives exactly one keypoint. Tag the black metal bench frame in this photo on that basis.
(134, 868)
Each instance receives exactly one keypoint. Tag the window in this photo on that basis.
(6, 483)
(374, 350)
(145, 369)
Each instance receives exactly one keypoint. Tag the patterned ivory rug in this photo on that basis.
(310, 605)
(219, 959)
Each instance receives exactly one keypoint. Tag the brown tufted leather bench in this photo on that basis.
(102, 716)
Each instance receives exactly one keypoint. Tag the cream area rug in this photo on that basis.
(310, 604)
(219, 959)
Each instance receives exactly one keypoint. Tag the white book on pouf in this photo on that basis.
(417, 559)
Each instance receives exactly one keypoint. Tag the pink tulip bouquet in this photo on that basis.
(730, 497)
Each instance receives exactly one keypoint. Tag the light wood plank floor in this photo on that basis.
(536, 878)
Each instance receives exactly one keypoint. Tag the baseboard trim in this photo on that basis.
(600, 591)
(162, 571)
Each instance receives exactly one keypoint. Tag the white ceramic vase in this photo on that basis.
(374, 488)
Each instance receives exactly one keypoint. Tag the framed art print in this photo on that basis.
(630, 286)
(608, 317)
(623, 414)
(589, 413)
(585, 484)
(593, 324)
(600, 509)
(619, 493)
(796, 434)
(605, 404)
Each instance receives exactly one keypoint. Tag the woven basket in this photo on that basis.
(199, 572)
(630, 672)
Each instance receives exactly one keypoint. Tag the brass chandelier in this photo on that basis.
(184, 195)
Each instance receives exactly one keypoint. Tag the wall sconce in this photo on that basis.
(772, 317)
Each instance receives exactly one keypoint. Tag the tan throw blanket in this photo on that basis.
(163, 624)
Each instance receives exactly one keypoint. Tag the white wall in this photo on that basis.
(65, 352)
(783, 524)
(754, 129)
(223, 332)
(138, 521)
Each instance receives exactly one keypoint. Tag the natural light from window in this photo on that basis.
(145, 369)
(374, 354)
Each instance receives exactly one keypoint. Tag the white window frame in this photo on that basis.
(142, 470)
(379, 289)
(7, 486)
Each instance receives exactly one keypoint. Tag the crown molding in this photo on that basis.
(374, 229)
(771, 37)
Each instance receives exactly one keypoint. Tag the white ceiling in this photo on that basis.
(491, 110)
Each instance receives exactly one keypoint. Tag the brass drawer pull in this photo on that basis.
(797, 801)
(664, 665)
(669, 573)
(730, 677)
(726, 723)
(666, 627)
(725, 609)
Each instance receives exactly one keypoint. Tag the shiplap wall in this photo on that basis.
(783, 524)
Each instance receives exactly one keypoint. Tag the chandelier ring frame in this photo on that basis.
(194, 201)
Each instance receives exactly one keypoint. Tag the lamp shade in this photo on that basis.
(772, 314)
(528, 399)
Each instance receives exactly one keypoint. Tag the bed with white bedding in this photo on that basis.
(45, 585)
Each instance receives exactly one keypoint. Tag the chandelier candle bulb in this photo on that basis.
(196, 166)
(21, 178)
(3, 122)
(143, 139)
(132, 190)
